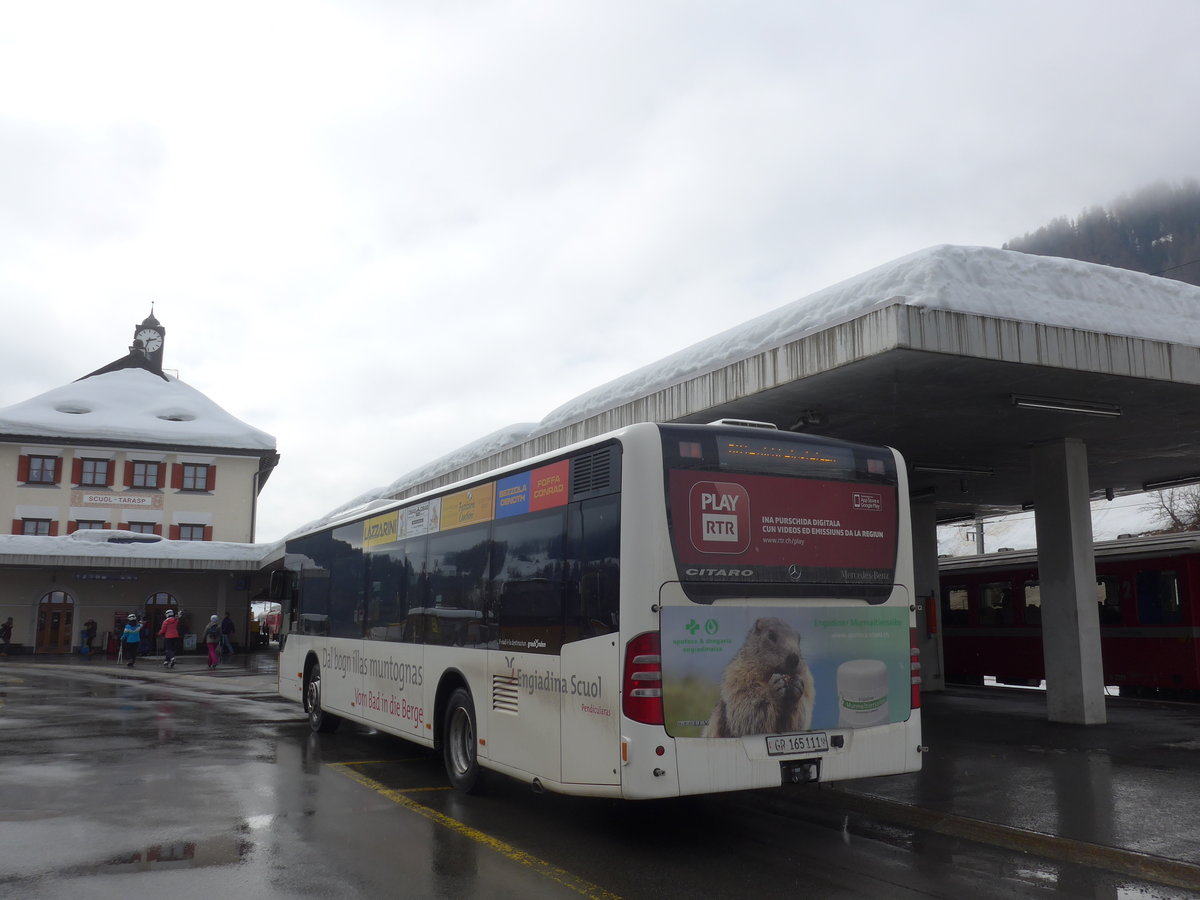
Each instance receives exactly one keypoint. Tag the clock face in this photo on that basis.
(150, 339)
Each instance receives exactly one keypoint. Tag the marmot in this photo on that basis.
(767, 687)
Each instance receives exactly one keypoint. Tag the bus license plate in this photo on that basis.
(780, 744)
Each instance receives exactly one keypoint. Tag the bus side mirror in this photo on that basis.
(280, 586)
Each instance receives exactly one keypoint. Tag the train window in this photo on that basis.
(954, 606)
(1158, 598)
(997, 607)
(1033, 603)
(1108, 595)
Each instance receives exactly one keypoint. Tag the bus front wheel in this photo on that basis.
(460, 751)
(318, 720)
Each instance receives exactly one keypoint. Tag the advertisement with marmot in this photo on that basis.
(732, 672)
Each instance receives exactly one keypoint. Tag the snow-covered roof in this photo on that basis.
(96, 548)
(131, 405)
(980, 280)
(977, 280)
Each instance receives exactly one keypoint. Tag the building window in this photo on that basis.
(89, 524)
(143, 527)
(191, 533)
(144, 475)
(192, 477)
(35, 526)
(42, 470)
(94, 472)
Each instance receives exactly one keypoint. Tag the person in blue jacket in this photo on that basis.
(132, 636)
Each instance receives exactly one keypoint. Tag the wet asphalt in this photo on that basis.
(1120, 797)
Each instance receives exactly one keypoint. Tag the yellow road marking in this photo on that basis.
(547, 870)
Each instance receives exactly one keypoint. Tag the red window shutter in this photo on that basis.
(128, 473)
(177, 476)
(162, 476)
(208, 532)
(111, 478)
(72, 527)
(76, 470)
(54, 528)
(18, 527)
(23, 468)
(158, 529)
(174, 533)
(57, 469)
(212, 478)
(124, 526)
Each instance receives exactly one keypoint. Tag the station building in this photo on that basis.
(128, 491)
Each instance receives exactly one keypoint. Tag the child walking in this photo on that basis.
(132, 638)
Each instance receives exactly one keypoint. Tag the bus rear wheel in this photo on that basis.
(318, 720)
(460, 750)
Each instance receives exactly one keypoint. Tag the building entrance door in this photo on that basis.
(56, 618)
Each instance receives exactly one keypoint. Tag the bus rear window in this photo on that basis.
(785, 515)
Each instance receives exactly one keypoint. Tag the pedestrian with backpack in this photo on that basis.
(131, 638)
(169, 632)
(212, 640)
(227, 632)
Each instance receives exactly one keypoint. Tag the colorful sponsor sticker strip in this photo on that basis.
(541, 488)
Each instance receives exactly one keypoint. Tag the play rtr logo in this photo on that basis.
(720, 517)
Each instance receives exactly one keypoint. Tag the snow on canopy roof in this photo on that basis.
(477, 449)
(980, 280)
(381, 496)
(132, 406)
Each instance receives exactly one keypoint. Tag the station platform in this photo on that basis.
(254, 672)
(1120, 796)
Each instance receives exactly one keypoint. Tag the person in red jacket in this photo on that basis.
(169, 631)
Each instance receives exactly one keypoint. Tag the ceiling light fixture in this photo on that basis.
(932, 469)
(808, 418)
(954, 520)
(1170, 482)
(1056, 404)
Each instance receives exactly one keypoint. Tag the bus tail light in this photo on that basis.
(915, 666)
(642, 682)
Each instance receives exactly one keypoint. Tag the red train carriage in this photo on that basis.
(1148, 593)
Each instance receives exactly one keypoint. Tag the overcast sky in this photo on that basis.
(380, 230)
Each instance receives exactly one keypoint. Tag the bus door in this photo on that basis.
(591, 652)
(524, 721)
(523, 725)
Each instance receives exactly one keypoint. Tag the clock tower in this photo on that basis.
(151, 335)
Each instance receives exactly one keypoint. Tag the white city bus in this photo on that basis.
(664, 610)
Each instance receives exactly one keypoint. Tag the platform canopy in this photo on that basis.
(964, 358)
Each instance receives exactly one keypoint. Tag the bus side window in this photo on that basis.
(312, 612)
(527, 580)
(955, 608)
(348, 581)
(387, 598)
(458, 569)
(594, 567)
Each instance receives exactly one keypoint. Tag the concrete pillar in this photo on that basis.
(925, 577)
(1067, 571)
